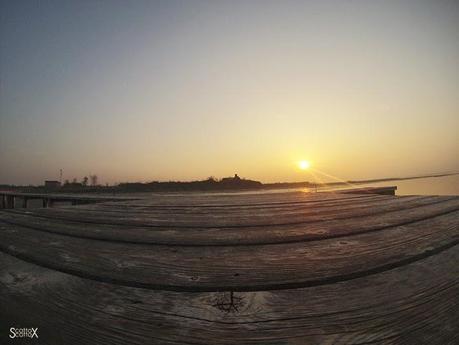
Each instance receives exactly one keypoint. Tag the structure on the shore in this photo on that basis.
(52, 184)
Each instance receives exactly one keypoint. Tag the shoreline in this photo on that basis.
(203, 186)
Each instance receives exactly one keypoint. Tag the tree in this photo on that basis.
(84, 182)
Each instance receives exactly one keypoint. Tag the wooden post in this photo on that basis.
(2, 201)
(24, 202)
(45, 202)
(10, 201)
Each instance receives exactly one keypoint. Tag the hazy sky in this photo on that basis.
(159, 90)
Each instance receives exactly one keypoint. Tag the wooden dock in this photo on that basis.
(275, 269)
(10, 199)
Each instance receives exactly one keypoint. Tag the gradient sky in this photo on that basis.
(160, 90)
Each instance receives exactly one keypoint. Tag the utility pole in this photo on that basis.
(60, 177)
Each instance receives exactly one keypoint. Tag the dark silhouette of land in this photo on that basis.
(211, 184)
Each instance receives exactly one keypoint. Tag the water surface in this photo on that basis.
(444, 185)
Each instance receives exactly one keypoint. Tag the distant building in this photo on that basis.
(236, 178)
(52, 184)
(238, 183)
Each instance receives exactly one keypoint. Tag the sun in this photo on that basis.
(304, 165)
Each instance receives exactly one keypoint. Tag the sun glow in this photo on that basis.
(304, 165)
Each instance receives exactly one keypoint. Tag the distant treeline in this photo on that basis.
(210, 184)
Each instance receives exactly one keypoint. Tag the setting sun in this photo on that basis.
(303, 165)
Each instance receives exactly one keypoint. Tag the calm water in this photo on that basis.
(446, 185)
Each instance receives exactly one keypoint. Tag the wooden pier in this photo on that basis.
(9, 199)
(287, 268)
(370, 190)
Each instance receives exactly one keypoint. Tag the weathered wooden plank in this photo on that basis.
(228, 200)
(191, 213)
(306, 202)
(238, 199)
(238, 268)
(219, 212)
(381, 218)
(210, 220)
(274, 201)
(413, 304)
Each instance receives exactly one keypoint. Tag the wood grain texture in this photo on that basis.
(413, 304)
(280, 269)
(204, 216)
(237, 268)
(318, 226)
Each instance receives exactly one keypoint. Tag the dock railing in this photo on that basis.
(10, 199)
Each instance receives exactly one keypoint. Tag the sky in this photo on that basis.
(184, 90)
